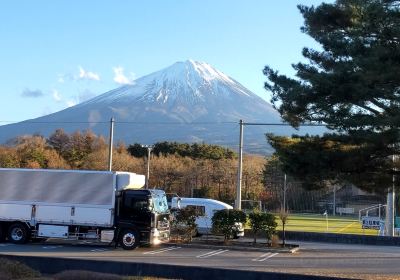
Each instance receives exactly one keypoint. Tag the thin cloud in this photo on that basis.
(56, 95)
(61, 79)
(32, 93)
(71, 103)
(121, 78)
(87, 75)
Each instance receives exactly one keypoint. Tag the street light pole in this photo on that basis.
(284, 192)
(148, 147)
(110, 145)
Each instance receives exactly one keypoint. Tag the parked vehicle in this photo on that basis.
(205, 208)
(86, 205)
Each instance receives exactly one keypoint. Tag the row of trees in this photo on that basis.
(203, 175)
(194, 151)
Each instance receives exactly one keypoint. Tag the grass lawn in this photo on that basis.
(318, 223)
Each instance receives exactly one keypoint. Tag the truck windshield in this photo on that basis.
(160, 202)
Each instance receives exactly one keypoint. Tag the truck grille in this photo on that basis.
(163, 224)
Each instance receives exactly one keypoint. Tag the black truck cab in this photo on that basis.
(142, 216)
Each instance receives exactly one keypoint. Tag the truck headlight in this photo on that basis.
(155, 232)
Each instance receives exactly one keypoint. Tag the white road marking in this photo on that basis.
(260, 257)
(161, 250)
(264, 257)
(212, 253)
(52, 247)
(99, 250)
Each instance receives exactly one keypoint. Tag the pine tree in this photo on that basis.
(352, 86)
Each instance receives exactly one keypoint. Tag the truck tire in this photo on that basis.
(129, 239)
(18, 233)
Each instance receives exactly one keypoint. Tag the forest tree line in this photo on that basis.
(186, 169)
(206, 170)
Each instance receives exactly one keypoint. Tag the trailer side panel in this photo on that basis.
(58, 196)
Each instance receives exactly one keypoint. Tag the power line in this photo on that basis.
(162, 123)
(119, 122)
(283, 124)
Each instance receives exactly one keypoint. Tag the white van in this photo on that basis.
(205, 208)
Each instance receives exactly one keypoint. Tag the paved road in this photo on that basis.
(358, 261)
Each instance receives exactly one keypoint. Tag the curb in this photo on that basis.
(235, 248)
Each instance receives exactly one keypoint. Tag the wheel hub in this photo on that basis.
(17, 234)
(128, 239)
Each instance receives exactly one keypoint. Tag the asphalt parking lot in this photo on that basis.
(357, 261)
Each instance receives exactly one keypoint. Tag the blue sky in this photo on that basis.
(55, 54)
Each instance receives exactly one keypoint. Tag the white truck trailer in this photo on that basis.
(86, 205)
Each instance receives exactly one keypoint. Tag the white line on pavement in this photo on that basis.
(212, 253)
(261, 258)
(161, 250)
(52, 247)
(99, 250)
(6, 244)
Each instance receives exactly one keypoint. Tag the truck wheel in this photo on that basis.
(18, 233)
(129, 239)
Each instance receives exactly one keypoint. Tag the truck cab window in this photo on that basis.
(136, 204)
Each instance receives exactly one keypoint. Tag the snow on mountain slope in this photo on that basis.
(188, 102)
(190, 80)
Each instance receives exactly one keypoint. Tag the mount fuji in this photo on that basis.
(186, 102)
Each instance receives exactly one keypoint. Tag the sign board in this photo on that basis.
(371, 222)
(344, 210)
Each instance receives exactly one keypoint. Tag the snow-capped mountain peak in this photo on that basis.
(207, 72)
(189, 81)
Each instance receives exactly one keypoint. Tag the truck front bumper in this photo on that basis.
(159, 236)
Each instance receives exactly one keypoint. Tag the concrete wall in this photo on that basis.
(342, 238)
(53, 265)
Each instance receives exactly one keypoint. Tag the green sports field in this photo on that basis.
(318, 223)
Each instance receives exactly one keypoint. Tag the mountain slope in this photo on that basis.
(187, 102)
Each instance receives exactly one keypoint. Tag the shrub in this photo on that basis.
(184, 222)
(261, 221)
(224, 222)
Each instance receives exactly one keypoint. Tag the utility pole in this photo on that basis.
(110, 145)
(390, 206)
(238, 204)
